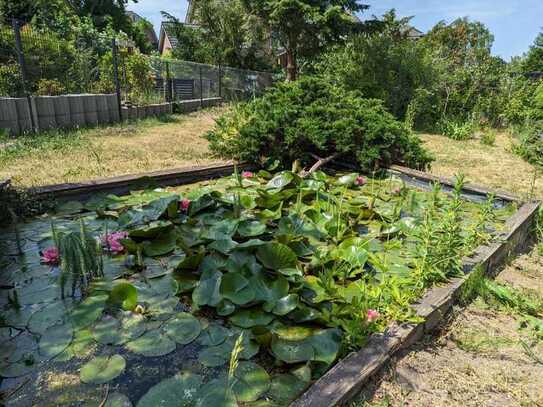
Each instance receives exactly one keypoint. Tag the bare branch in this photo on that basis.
(320, 162)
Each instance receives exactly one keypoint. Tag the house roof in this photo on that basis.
(167, 31)
(413, 32)
(150, 31)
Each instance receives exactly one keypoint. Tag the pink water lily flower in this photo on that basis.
(50, 256)
(247, 174)
(360, 180)
(372, 315)
(184, 205)
(111, 242)
(397, 191)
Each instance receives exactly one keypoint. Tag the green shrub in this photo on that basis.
(530, 145)
(311, 116)
(488, 138)
(455, 130)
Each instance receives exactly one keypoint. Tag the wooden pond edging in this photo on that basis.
(344, 380)
(123, 184)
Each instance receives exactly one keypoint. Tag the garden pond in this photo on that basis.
(237, 291)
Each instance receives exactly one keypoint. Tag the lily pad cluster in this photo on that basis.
(304, 269)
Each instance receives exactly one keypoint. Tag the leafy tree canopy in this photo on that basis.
(227, 34)
(534, 57)
(304, 27)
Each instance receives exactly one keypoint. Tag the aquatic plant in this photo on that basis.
(50, 256)
(184, 205)
(80, 259)
(111, 242)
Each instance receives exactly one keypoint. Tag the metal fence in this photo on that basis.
(183, 80)
(41, 62)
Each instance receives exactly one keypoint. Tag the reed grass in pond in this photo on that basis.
(240, 290)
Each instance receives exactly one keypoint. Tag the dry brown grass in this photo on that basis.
(117, 150)
(494, 166)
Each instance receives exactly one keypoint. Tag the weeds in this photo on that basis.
(234, 359)
(488, 138)
(539, 231)
(456, 131)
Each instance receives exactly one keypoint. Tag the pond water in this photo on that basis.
(238, 291)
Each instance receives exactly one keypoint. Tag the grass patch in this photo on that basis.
(126, 148)
(494, 166)
(480, 341)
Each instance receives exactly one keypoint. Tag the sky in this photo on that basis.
(514, 23)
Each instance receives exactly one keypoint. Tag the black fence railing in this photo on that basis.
(37, 61)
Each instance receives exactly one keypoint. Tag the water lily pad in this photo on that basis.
(286, 304)
(213, 335)
(215, 356)
(326, 344)
(162, 244)
(276, 256)
(124, 295)
(269, 290)
(55, 339)
(51, 314)
(117, 400)
(251, 228)
(285, 388)
(250, 244)
(180, 390)
(216, 393)
(21, 368)
(82, 344)
(293, 333)
(236, 288)
(280, 180)
(108, 331)
(183, 328)
(102, 369)
(251, 382)
(70, 208)
(224, 245)
(249, 318)
(151, 344)
(133, 326)
(163, 287)
(208, 290)
(151, 230)
(186, 280)
(88, 311)
(292, 351)
(303, 373)
(225, 308)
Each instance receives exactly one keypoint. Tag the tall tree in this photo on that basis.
(236, 38)
(534, 57)
(304, 27)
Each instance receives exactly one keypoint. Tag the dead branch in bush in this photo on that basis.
(320, 162)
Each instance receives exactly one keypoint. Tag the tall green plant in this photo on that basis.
(80, 259)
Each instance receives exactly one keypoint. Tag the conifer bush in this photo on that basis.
(312, 118)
